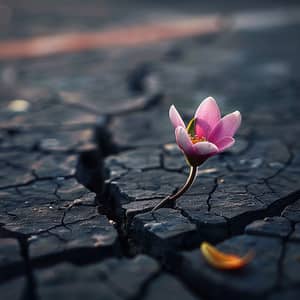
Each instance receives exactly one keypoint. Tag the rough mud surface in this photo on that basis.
(83, 164)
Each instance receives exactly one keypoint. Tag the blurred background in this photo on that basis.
(69, 61)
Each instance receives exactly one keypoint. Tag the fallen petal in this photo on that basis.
(224, 261)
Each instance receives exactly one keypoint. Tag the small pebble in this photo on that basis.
(19, 105)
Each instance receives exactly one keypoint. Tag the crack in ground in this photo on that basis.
(123, 233)
(29, 182)
(286, 164)
(216, 180)
(282, 257)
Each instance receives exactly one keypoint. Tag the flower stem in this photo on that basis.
(180, 192)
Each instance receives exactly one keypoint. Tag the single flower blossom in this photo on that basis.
(207, 133)
(224, 261)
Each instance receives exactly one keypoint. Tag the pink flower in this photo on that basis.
(206, 134)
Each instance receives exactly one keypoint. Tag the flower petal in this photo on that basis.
(175, 117)
(225, 143)
(205, 148)
(207, 116)
(227, 126)
(183, 140)
(222, 260)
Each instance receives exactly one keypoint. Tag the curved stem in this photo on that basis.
(181, 191)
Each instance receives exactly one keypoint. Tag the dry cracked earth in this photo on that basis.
(92, 152)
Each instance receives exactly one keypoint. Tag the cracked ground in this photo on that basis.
(87, 149)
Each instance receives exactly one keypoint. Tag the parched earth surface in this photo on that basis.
(89, 150)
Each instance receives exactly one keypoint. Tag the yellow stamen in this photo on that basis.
(196, 139)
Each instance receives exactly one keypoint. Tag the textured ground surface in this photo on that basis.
(91, 151)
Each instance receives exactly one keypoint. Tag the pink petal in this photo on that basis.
(175, 117)
(183, 140)
(225, 143)
(207, 116)
(202, 129)
(227, 126)
(205, 148)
